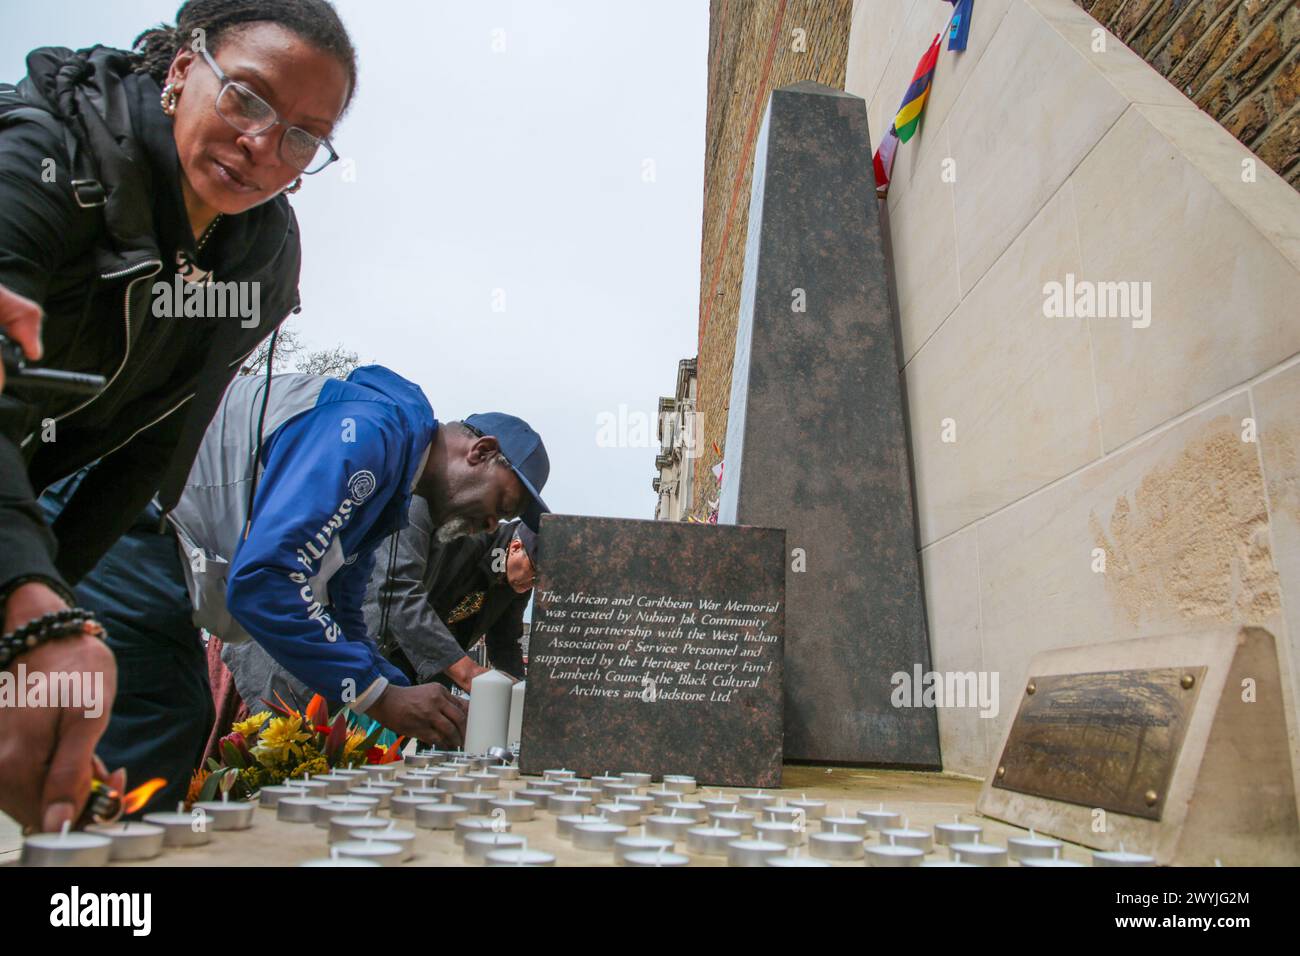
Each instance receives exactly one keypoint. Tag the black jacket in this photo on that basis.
(92, 269)
(429, 602)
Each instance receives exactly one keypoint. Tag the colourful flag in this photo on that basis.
(959, 27)
(883, 163)
(909, 114)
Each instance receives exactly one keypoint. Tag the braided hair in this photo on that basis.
(315, 21)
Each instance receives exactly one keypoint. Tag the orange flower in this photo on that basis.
(196, 784)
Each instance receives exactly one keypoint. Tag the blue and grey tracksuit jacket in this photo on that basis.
(339, 462)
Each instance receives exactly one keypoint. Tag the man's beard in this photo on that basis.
(454, 528)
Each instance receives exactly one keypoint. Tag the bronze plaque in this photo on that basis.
(1108, 739)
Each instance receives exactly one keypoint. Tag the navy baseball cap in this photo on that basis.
(526, 453)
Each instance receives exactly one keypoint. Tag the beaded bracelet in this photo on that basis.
(67, 622)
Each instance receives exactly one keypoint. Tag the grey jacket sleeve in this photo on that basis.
(418, 630)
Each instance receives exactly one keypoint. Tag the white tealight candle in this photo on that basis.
(66, 848)
(682, 783)
(1032, 847)
(1121, 857)
(478, 845)
(519, 857)
(228, 814)
(812, 809)
(710, 840)
(501, 772)
(377, 851)
(439, 816)
(389, 834)
(467, 825)
(734, 820)
(181, 828)
(427, 793)
(636, 778)
(483, 779)
(639, 844)
(558, 774)
(478, 801)
(906, 836)
(628, 814)
(270, 796)
(887, 854)
(601, 781)
(334, 783)
(299, 809)
(382, 794)
(565, 823)
(856, 826)
(514, 809)
(836, 846)
(535, 794)
(753, 852)
(663, 796)
(720, 801)
(567, 803)
(131, 840)
(353, 773)
(420, 760)
(981, 854)
(620, 789)
(688, 808)
(880, 819)
(597, 836)
(343, 826)
(787, 834)
(655, 858)
(668, 826)
(956, 832)
(403, 805)
(456, 783)
(795, 861)
(756, 800)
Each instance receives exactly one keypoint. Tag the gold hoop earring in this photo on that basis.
(297, 184)
(169, 99)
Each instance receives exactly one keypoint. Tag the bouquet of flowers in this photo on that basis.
(283, 743)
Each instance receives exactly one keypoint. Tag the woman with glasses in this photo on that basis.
(119, 171)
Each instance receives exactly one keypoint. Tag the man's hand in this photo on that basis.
(20, 319)
(47, 754)
(424, 712)
(464, 671)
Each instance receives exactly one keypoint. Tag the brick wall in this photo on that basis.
(1239, 60)
(754, 47)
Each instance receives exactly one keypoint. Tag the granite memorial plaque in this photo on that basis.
(656, 647)
(816, 438)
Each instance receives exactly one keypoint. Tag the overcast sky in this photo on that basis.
(565, 171)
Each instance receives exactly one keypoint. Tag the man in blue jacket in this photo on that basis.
(292, 490)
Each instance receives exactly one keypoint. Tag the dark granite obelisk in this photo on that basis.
(816, 442)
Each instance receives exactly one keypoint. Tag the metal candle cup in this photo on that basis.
(601, 781)
(687, 808)
(956, 832)
(514, 809)
(812, 809)
(787, 834)
(467, 825)
(539, 797)
(682, 783)
(668, 827)
(227, 814)
(377, 851)
(1033, 847)
(720, 801)
(389, 834)
(880, 819)
(907, 836)
(179, 828)
(620, 789)
(981, 854)
(68, 848)
(836, 846)
(131, 840)
(519, 857)
(628, 814)
(565, 803)
(338, 806)
(550, 786)
(344, 825)
(334, 783)
(456, 783)
(429, 794)
(564, 824)
(1121, 857)
(270, 796)
(478, 845)
(855, 826)
(597, 836)
(756, 800)
(478, 800)
(734, 820)
(382, 794)
(439, 816)
(503, 772)
(753, 852)
(403, 805)
(887, 855)
(639, 844)
(710, 840)
(655, 858)
(558, 774)
(636, 778)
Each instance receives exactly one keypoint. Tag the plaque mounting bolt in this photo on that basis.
(1002, 772)
(1031, 688)
(1150, 797)
(1188, 681)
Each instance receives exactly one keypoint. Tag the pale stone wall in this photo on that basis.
(1076, 437)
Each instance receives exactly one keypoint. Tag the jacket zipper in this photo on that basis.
(156, 266)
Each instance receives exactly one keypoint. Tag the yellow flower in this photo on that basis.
(356, 737)
(252, 725)
(282, 737)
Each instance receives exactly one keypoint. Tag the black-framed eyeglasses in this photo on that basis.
(247, 112)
